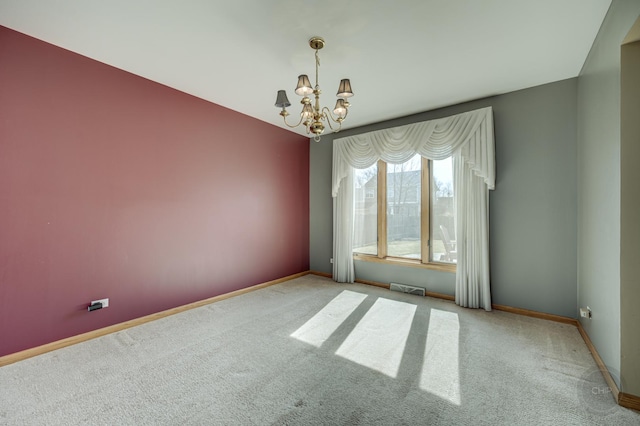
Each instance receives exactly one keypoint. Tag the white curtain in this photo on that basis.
(468, 137)
(343, 270)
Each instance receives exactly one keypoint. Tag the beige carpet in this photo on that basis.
(310, 351)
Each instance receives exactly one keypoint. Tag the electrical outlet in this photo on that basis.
(105, 302)
(331, 260)
(585, 313)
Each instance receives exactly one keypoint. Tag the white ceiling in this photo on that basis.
(402, 56)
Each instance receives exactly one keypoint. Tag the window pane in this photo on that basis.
(403, 208)
(365, 235)
(443, 238)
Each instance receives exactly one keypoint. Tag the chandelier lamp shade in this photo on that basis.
(313, 116)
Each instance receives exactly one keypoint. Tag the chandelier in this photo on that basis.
(313, 116)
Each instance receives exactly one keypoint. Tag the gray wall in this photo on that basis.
(629, 214)
(598, 148)
(532, 210)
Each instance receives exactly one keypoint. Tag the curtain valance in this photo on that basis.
(470, 132)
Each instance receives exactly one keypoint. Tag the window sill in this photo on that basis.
(443, 267)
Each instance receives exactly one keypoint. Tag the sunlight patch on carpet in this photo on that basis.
(440, 375)
(322, 325)
(379, 339)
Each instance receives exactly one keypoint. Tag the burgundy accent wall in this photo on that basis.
(114, 186)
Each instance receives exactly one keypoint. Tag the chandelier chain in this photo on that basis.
(317, 65)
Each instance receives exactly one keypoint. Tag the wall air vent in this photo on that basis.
(403, 288)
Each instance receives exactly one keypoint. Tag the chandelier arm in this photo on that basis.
(327, 114)
(289, 125)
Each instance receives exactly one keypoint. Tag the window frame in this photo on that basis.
(425, 224)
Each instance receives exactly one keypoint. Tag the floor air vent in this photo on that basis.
(407, 289)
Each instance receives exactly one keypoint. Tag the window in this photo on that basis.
(411, 215)
(403, 208)
(365, 209)
(443, 242)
